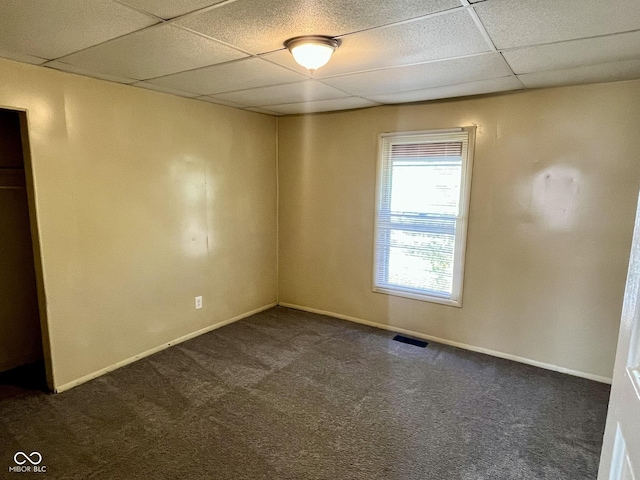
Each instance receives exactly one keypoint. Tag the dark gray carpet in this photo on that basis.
(292, 395)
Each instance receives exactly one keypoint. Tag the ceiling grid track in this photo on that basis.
(232, 52)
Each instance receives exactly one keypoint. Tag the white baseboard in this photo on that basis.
(494, 353)
(127, 361)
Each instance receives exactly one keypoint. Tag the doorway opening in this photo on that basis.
(22, 350)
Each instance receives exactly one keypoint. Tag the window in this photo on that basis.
(424, 181)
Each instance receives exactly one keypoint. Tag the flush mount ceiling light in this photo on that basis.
(312, 51)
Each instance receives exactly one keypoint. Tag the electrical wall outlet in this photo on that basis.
(198, 303)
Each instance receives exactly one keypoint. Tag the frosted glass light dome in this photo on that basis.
(312, 52)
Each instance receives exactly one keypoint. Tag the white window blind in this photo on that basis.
(423, 191)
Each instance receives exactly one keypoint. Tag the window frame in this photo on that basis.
(460, 244)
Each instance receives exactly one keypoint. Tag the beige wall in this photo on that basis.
(144, 200)
(555, 183)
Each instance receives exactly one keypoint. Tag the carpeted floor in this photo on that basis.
(292, 395)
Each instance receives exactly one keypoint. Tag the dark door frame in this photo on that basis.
(23, 115)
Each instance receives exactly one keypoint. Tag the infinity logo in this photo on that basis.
(27, 458)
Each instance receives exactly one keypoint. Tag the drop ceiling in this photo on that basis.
(231, 52)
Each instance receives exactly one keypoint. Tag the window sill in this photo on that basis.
(418, 296)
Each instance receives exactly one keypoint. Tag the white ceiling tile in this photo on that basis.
(240, 75)
(448, 91)
(18, 57)
(206, 98)
(262, 110)
(391, 52)
(158, 88)
(263, 25)
(516, 23)
(170, 8)
(82, 71)
(50, 29)
(450, 35)
(323, 105)
(425, 75)
(604, 72)
(309, 90)
(153, 52)
(574, 53)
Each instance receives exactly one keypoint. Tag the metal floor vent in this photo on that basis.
(410, 341)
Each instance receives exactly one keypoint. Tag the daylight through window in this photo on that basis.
(423, 194)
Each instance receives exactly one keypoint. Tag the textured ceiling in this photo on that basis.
(231, 51)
